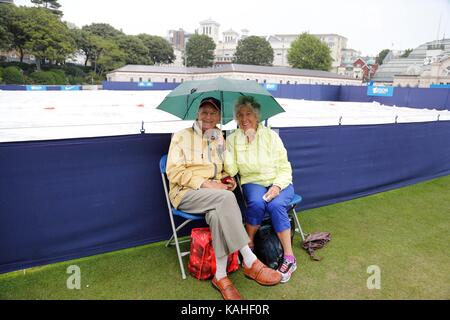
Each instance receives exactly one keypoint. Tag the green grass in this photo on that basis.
(405, 232)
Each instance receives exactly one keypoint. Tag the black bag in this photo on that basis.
(268, 247)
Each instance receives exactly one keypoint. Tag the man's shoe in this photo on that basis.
(262, 274)
(227, 289)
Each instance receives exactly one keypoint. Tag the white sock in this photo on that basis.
(221, 267)
(248, 255)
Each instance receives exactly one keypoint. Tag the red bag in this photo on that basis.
(202, 260)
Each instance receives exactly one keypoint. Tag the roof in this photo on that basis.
(242, 68)
(401, 66)
(209, 21)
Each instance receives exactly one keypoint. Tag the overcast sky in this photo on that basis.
(369, 25)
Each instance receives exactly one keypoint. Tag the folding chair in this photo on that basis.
(290, 208)
(174, 212)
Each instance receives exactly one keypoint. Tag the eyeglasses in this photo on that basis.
(212, 113)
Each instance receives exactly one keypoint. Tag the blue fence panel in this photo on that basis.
(110, 85)
(13, 87)
(354, 94)
(428, 98)
(303, 91)
(339, 163)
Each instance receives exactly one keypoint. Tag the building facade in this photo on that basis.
(227, 42)
(426, 65)
(260, 74)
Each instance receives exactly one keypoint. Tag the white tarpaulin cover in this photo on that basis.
(42, 115)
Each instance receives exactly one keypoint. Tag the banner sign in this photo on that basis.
(145, 84)
(271, 87)
(70, 88)
(36, 88)
(380, 91)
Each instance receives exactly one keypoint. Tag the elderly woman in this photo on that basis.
(195, 170)
(258, 155)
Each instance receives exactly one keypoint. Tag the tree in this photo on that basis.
(159, 49)
(406, 53)
(308, 52)
(105, 55)
(101, 43)
(254, 50)
(135, 50)
(200, 51)
(51, 5)
(48, 38)
(6, 37)
(381, 56)
(103, 30)
(15, 36)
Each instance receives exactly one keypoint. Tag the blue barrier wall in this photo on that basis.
(431, 98)
(65, 199)
(139, 85)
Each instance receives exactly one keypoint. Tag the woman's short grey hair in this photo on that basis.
(249, 102)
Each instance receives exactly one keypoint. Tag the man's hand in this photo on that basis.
(211, 184)
(230, 183)
(272, 193)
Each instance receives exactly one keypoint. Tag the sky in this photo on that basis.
(369, 25)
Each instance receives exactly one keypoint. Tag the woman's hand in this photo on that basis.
(212, 184)
(272, 193)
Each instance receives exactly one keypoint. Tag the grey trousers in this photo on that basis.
(222, 215)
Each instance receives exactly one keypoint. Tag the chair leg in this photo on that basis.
(177, 245)
(297, 223)
(169, 243)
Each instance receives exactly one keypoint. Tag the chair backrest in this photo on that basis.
(163, 164)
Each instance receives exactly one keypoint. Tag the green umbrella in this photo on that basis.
(184, 100)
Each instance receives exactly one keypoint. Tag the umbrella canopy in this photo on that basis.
(185, 99)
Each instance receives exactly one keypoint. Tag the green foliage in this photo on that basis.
(406, 53)
(49, 37)
(6, 36)
(13, 75)
(308, 52)
(49, 77)
(135, 50)
(200, 51)
(381, 56)
(255, 51)
(25, 67)
(159, 50)
(103, 30)
(51, 5)
(1, 75)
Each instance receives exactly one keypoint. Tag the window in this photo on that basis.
(281, 81)
(140, 79)
(174, 80)
(131, 79)
(288, 82)
(182, 80)
(265, 81)
(165, 80)
(149, 79)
